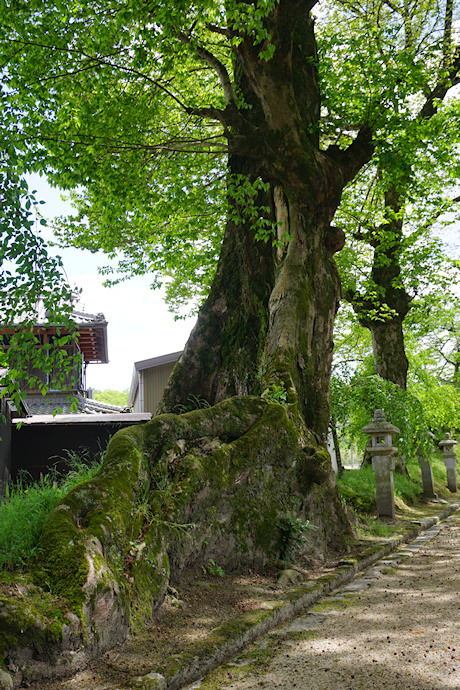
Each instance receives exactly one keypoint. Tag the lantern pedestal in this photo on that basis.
(383, 467)
(427, 478)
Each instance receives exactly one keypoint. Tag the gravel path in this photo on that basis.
(396, 626)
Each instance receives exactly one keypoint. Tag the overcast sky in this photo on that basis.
(139, 324)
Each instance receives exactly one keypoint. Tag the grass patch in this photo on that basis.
(377, 528)
(28, 503)
(357, 488)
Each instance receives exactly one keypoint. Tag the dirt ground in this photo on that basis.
(396, 626)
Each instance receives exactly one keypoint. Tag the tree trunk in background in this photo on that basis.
(383, 312)
(390, 360)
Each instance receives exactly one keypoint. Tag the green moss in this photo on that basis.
(335, 604)
(149, 575)
(33, 620)
(231, 470)
(64, 566)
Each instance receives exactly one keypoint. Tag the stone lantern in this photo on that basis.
(450, 461)
(383, 462)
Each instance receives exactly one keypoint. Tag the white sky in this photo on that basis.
(139, 324)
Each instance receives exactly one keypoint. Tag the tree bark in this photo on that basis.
(390, 360)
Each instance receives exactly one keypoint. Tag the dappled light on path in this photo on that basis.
(397, 626)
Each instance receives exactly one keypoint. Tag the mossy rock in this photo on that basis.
(180, 490)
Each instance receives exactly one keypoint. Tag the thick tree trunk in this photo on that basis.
(226, 347)
(268, 319)
(270, 312)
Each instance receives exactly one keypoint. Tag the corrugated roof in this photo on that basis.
(157, 361)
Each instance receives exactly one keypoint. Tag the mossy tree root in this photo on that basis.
(182, 489)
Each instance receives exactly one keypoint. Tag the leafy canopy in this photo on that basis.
(124, 105)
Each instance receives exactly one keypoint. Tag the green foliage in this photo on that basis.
(112, 397)
(275, 393)
(137, 129)
(293, 534)
(193, 403)
(212, 568)
(354, 404)
(408, 192)
(27, 504)
(272, 388)
(31, 280)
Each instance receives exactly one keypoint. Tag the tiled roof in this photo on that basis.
(61, 403)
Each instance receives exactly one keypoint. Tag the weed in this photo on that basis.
(192, 403)
(293, 533)
(27, 504)
(275, 393)
(376, 528)
(213, 569)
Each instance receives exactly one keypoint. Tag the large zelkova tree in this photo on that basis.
(153, 112)
(407, 189)
(185, 133)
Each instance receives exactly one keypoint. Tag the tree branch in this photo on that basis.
(439, 91)
(447, 39)
(220, 30)
(216, 65)
(209, 114)
(357, 154)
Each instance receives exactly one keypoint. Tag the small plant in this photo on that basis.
(193, 403)
(293, 534)
(275, 393)
(270, 384)
(213, 569)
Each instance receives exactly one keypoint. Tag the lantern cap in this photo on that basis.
(379, 425)
(448, 442)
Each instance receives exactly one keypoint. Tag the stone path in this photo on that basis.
(395, 626)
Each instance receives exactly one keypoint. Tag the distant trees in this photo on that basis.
(112, 397)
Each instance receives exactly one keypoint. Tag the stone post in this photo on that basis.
(427, 473)
(383, 462)
(450, 461)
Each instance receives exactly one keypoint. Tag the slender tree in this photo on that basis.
(410, 185)
(33, 284)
